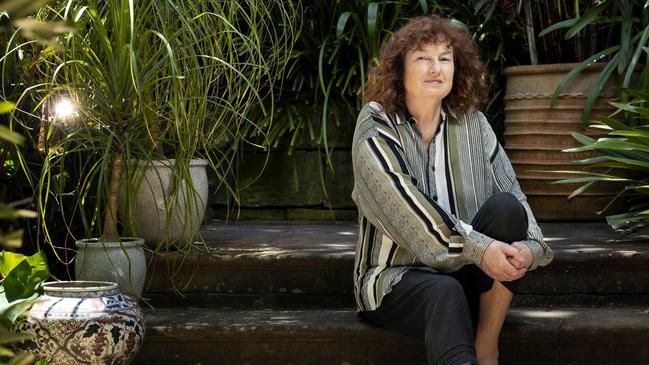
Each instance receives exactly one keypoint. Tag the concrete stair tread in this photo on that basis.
(309, 259)
(175, 322)
(268, 240)
(564, 335)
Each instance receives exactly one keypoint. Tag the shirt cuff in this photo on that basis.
(537, 253)
(475, 245)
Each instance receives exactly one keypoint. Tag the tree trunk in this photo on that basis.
(110, 219)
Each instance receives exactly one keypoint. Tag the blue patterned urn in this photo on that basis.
(83, 322)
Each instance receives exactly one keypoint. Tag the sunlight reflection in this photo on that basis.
(549, 314)
(346, 233)
(586, 249)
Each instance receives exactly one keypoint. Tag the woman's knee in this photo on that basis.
(506, 206)
(502, 217)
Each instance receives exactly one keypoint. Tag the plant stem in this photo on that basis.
(531, 40)
(110, 219)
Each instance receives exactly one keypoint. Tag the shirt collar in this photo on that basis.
(407, 117)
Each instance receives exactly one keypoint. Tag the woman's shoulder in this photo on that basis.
(373, 108)
(372, 120)
(374, 113)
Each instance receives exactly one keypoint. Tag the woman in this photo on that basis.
(444, 229)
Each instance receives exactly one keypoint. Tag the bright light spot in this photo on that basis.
(549, 314)
(64, 109)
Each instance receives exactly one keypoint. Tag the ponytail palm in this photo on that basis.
(153, 79)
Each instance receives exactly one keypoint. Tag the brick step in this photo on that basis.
(310, 264)
(530, 336)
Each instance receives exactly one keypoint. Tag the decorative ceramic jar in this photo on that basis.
(83, 322)
(122, 262)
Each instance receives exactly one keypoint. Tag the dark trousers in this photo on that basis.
(442, 308)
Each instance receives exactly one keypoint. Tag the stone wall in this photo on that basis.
(300, 186)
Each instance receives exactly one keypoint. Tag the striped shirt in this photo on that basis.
(414, 203)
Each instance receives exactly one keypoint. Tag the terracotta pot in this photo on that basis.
(161, 215)
(83, 322)
(536, 134)
(121, 262)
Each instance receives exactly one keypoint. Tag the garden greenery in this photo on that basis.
(322, 91)
(150, 79)
(623, 159)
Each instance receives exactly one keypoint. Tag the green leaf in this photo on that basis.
(562, 24)
(614, 124)
(639, 94)
(588, 18)
(632, 108)
(22, 274)
(589, 179)
(45, 32)
(479, 5)
(577, 70)
(6, 107)
(585, 140)
(598, 86)
(13, 239)
(581, 189)
(8, 212)
(10, 136)
(631, 133)
(423, 4)
(625, 34)
(372, 20)
(21, 8)
(11, 310)
(342, 22)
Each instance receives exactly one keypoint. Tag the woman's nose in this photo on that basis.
(434, 67)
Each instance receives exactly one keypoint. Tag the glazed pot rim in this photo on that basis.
(550, 68)
(78, 286)
(125, 242)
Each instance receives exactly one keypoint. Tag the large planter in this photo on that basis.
(122, 262)
(165, 213)
(536, 134)
(79, 322)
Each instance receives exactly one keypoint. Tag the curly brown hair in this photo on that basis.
(386, 79)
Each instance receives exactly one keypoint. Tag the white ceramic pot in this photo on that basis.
(81, 322)
(165, 213)
(121, 262)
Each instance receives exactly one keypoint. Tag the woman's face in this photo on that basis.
(428, 72)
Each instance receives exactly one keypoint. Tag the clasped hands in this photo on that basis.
(504, 262)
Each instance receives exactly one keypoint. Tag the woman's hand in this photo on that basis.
(497, 262)
(525, 253)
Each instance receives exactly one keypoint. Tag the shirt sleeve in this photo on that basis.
(504, 179)
(386, 193)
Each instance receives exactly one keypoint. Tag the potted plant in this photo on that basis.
(546, 102)
(148, 80)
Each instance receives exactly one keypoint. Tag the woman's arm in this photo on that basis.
(504, 179)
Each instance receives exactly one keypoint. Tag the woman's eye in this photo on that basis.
(421, 58)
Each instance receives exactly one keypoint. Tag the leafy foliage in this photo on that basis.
(150, 79)
(22, 277)
(623, 159)
(322, 90)
(626, 24)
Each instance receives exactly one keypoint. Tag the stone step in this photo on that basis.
(273, 264)
(530, 336)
